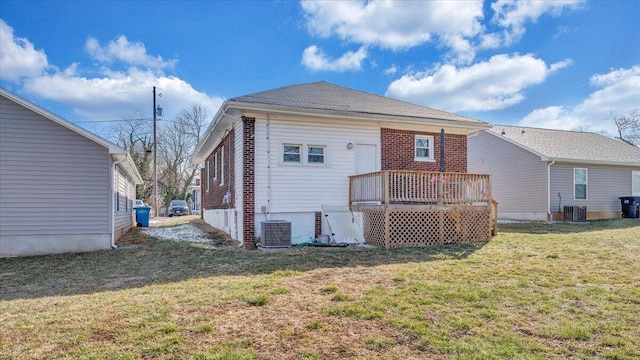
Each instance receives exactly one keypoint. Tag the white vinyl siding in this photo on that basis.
(54, 180)
(635, 183)
(580, 181)
(125, 192)
(306, 188)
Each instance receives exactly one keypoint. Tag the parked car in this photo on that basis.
(178, 207)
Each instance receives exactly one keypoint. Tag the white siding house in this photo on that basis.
(62, 188)
(537, 172)
(287, 153)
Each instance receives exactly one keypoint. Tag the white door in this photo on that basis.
(635, 183)
(366, 158)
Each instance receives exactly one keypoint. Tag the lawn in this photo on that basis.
(536, 291)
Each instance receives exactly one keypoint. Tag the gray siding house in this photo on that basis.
(62, 188)
(536, 172)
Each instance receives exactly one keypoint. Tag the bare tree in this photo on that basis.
(628, 127)
(176, 144)
(134, 134)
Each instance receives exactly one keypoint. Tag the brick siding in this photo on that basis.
(248, 186)
(213, 199)
(398, 150)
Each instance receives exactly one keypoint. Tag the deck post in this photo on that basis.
(387, 228)
(386, 188)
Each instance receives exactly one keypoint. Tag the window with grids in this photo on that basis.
(580, 184)
(424, 148)
(291, 153)
(315, 154)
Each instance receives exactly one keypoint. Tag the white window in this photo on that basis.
(215, 165)
(315, 154)
(635, 183)
(579, 184)
(222, 166)
(291, 153)
(207, 177)
(424, 148)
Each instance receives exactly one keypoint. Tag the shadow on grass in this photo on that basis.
(567, 227)
(160, 261)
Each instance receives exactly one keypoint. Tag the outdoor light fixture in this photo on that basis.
(350, 146)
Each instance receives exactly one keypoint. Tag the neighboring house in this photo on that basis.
(287, 153)
(194, 194)
(537, 172)
(62, 188)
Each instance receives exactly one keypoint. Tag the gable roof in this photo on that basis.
(569, 146)
(114, 150)
(322, 95)
(323, 99)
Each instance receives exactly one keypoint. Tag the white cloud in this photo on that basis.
(491, 85)
(456, 26)
(316, 60)
(392, 70)
(130, 53)
(120, 93)
(111, 93)
(618, 92)
(395, 25)
(512, 15)
(18, 57)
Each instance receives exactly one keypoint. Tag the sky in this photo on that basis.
(561, 64)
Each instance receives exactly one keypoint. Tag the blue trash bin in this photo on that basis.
(142, 215)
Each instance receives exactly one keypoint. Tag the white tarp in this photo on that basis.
(345, 226)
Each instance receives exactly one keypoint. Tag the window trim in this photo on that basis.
(215, 165)
(300, 155)
(431, 148)
(207, 177)
(222, 166)
(586, 184)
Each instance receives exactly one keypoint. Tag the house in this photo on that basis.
(194, 195)
(288, 153)
(537, 172)
(62, 188)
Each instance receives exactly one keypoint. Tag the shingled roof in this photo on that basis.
(325, 96)
(573, 146)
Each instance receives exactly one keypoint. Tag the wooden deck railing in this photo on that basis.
(418, 187)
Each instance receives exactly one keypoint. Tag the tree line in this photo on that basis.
(176, 142)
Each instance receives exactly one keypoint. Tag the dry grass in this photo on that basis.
(536, 291)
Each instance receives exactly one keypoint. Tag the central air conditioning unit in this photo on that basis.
(575, 213)
(276, 233)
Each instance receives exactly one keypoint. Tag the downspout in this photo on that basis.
(549, 216)
(113, 202)
(269, 167)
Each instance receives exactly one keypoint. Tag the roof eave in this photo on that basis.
(350, 115)
(595, 162)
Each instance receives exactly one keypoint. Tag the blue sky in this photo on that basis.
(554, 64)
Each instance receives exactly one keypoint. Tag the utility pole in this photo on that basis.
(155, 156)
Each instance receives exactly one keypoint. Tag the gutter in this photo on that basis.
(549, 216)
(112, 171)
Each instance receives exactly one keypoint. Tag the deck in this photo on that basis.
(414, 208)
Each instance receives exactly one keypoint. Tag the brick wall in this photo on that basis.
(398, 151)
(213, 198)
(318, 224)
(248, 186)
